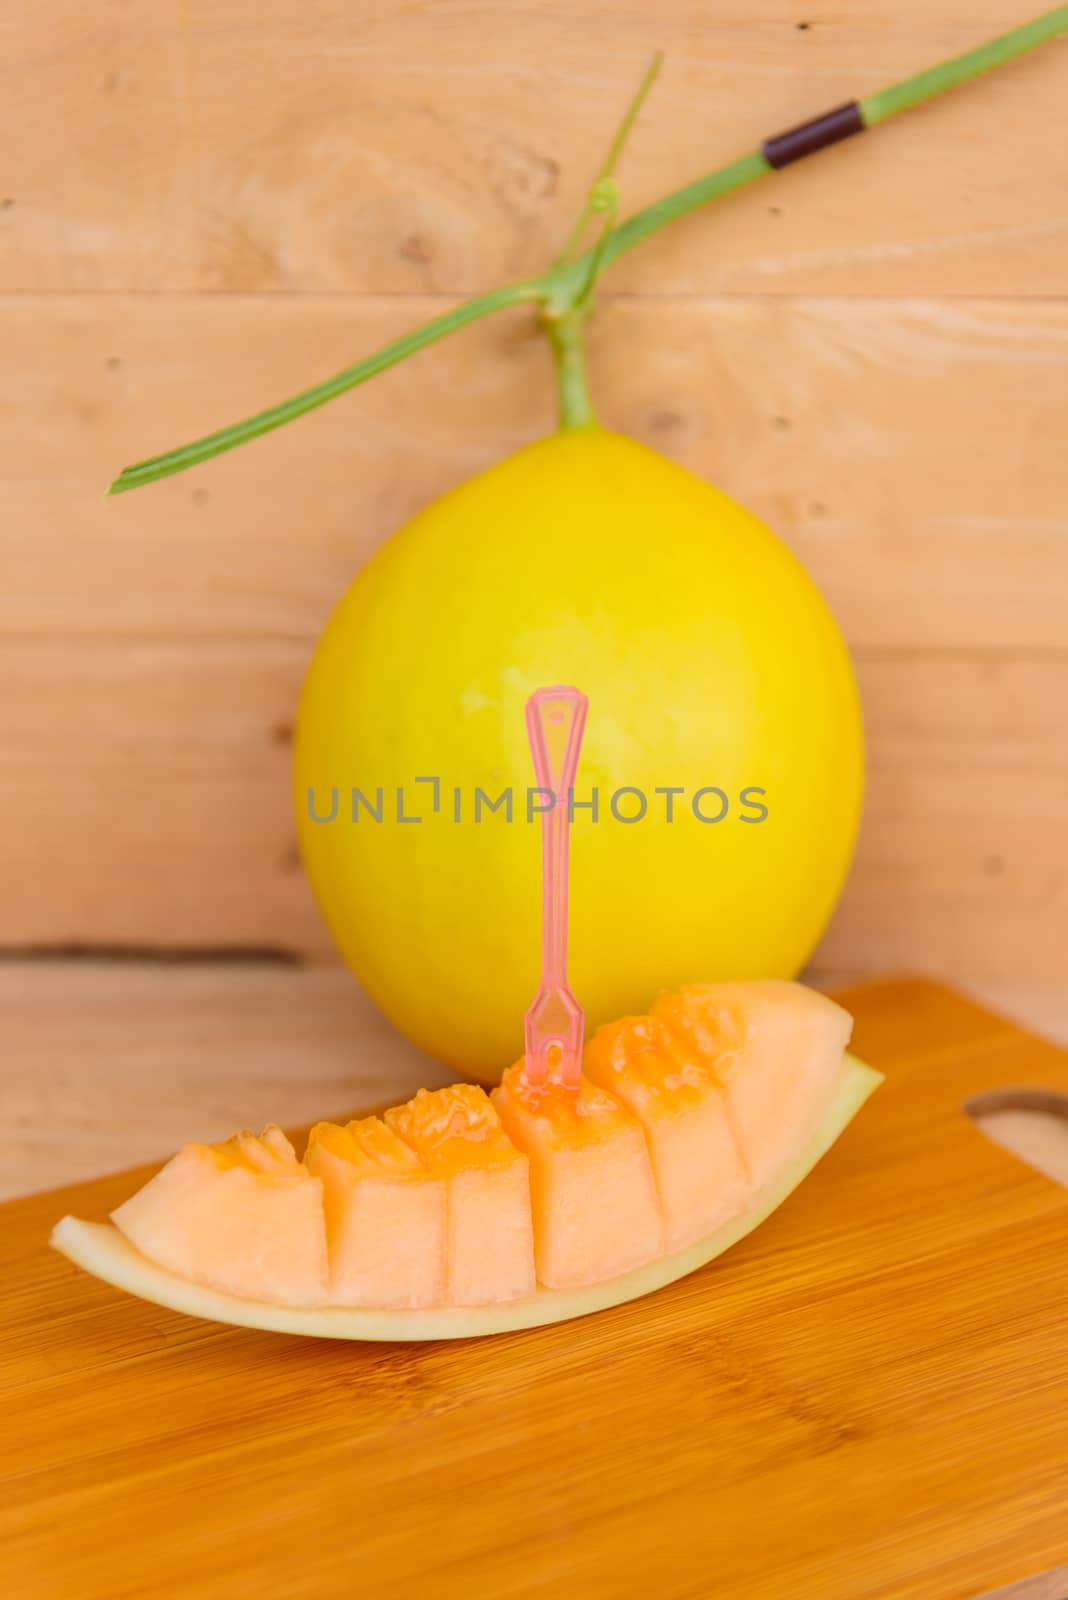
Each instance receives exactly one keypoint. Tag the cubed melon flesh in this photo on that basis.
(686, 1124)
(777, 1049)
(595, 1206)
(99, 1248)
(244, 1217)
(701, 1177)
(457, 1135)
(385, 1216)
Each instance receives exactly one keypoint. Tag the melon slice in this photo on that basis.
(99, 1248)
(596, 1213)
(777, 1049)
(385, 1216)
(701, 1175)
(457, 1135)
(244, 1217)
(458, 1214)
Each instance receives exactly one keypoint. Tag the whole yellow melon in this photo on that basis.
(724, 744)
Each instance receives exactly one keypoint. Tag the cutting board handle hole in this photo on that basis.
(1031, 1124)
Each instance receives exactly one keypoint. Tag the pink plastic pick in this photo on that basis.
(555, 1021)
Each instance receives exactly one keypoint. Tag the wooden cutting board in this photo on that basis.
(866, 1398)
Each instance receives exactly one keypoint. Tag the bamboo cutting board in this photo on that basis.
(866, 1398)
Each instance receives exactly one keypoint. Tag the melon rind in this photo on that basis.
(100, 1249)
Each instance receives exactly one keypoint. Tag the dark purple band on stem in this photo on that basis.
(807, 137)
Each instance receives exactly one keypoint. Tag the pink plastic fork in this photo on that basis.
(555, 1022)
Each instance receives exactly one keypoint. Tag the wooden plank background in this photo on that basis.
(206, 206)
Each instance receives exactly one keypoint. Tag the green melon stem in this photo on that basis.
(563, 291)
(574, 407)
(566, 310)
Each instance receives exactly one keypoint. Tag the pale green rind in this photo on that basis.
(101, 1249)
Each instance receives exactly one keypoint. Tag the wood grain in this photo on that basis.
(864, 1401)
(391, 147)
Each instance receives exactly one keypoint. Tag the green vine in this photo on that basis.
(564, 292)
(573, 402)
(567, 288)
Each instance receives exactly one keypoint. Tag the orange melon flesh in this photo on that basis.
(777, 1049)
(100, 1249)
(457, 1135)
(701, 1176)
(596, 1213)
(244, 1217)
(685, 1122)
(385, 1216)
